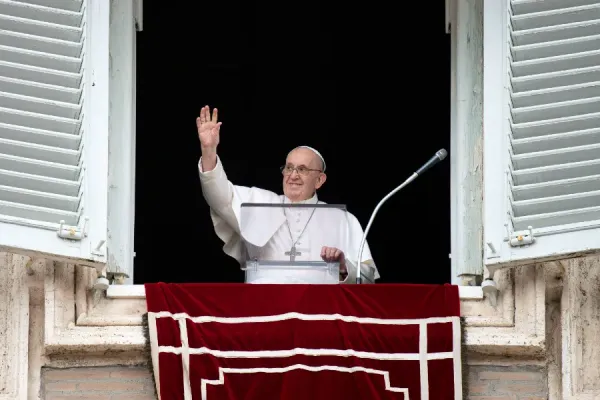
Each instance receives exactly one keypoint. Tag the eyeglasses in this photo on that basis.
(302, 170)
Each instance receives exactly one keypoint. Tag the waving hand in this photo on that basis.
(208, 129)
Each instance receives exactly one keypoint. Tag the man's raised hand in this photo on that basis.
(208, 128)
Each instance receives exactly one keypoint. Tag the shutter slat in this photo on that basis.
(39, 152)
(559, 156)
(36, 182)
(41, 44)
(556, 203)
(557, 188)
(43, 29)
(531, 6)
(44, 214)
(553, 95)
(556, 63)
(39, 136)
(556, 141)
(555, 33)
(559, 16)
(40, 75)
(555, 79)
(69, 5)
(40, 90)
(554, 113)
(557, 125)
(40, 59)
(39, 105)
(556, 172)
(39, 199)
(39, 168)
(40, 13)
(557, 219)
(556, 48)
(39, 121)
(564, 109)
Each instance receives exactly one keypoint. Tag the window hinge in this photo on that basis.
(522, 238)
(72, 232)
(97, 250)
(493, 252)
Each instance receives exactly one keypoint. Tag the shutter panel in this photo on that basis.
(549, 176)
(44, 69)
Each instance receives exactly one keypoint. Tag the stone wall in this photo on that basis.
(490, 382)
(537, 339)
(485, 382)
(101, 383)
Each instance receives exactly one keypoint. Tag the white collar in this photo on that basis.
(312, 200)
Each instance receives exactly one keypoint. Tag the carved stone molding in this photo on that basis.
(481, 313)
(516, 325)
(83, 327)
(80, 321)
(51, 316)
(554, 279)
(580, 314)
(14, 327)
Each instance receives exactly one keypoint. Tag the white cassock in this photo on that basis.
(270, 233)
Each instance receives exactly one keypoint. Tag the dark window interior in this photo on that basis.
(367, 86)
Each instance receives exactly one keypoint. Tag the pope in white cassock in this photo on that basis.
(300, 233)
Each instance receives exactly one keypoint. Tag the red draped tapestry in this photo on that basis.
(316, 342)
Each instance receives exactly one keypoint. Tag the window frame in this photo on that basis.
(122, 151)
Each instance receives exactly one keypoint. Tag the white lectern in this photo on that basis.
(284, 242)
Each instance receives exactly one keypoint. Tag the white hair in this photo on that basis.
(316, 152)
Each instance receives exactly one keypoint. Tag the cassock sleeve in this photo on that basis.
(368, 265)
(225, 200)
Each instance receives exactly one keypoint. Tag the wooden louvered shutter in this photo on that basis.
(541, 129)
(54, 127)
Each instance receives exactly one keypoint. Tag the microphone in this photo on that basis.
(439, 156)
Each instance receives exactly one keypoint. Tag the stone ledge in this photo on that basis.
(516, 325)
(139, 292)
(491, 330)
(80, 321)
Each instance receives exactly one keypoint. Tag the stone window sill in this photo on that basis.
(138, 292)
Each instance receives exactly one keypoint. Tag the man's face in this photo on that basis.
(302, 174)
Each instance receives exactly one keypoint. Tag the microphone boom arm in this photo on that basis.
(439, 156)
(364, 239)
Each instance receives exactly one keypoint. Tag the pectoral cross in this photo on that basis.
(293, 253)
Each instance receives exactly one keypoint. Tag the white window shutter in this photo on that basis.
(54, 70)
(541, 129)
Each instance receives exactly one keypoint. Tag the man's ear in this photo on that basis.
(321, 180)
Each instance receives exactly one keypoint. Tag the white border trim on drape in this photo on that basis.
(423, 356)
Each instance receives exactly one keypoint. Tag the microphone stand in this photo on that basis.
(439, 156)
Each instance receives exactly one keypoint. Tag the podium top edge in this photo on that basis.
(301, 205)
